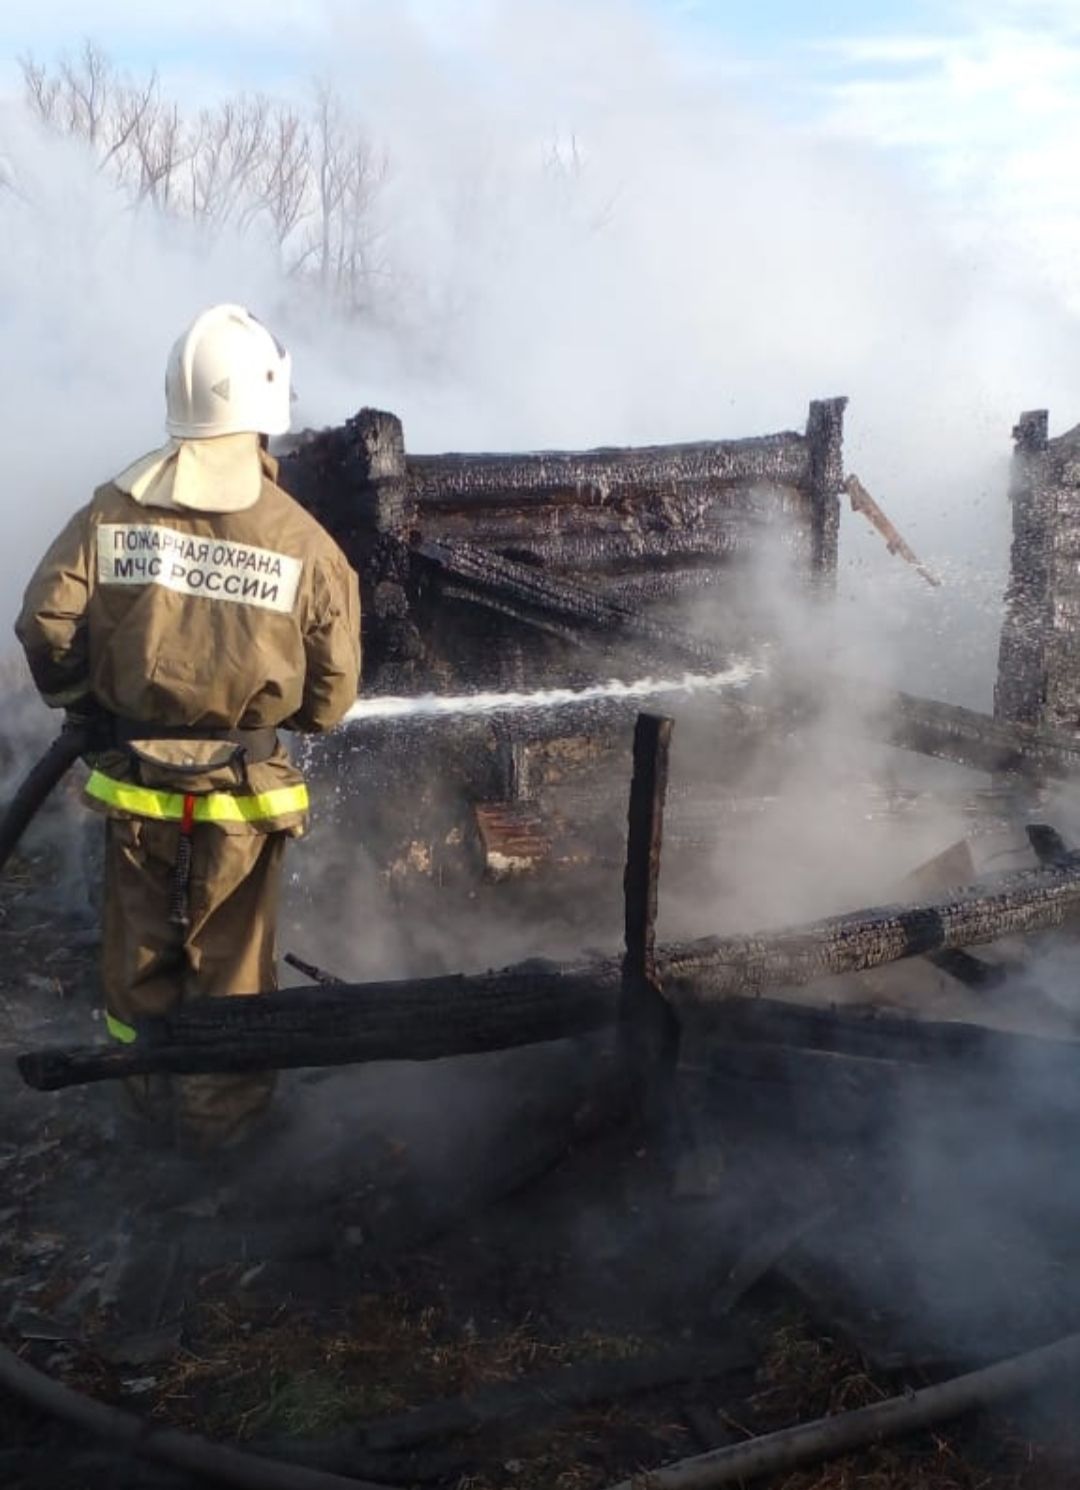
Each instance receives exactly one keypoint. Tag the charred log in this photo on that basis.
(951, 732)
(598, 553)
(1011, 904)
(530, 594)
(575, 478)
(593, 516)
(825, 437)
(737, 520)
(338, 1024)
(435, 1017)
(890, 1038)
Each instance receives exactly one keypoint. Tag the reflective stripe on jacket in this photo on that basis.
(211, 807)
(119, 1030)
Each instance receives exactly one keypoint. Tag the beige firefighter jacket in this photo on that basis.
(176, 617)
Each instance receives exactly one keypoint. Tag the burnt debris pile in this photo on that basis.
(473, 565)
(686, 1162)
(520, 573)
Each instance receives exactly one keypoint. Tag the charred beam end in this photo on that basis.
(1014, 904)
(825, 438)
(1031, 432)
(380, 480)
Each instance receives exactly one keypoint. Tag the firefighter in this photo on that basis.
(188, 612)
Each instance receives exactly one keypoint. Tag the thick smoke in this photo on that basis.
(581, 240)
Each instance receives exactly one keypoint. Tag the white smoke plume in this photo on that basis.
(583, 239)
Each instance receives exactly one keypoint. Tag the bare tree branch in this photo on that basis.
(308, 182)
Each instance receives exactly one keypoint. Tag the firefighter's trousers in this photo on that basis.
(149, 965)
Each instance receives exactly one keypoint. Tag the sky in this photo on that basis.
(978, 100)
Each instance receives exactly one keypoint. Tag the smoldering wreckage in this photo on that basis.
(682, 1196)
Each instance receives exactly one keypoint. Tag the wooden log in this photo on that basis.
(573, 477)
(341, 1024)
(878, 1040)
(645, 833)
(825, 437)
(1008, 905)
(1030, 651)
(951, 732)
(737, 516)
(648, 1029)
(597, 553)
(431, 1018)
(562, 606)
(661, 583)
(527, 592)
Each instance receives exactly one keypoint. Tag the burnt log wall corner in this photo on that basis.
(825, 436)
(1039, 658)
(355, 481)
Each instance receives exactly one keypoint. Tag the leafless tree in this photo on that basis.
(284, 177)
(310, 183)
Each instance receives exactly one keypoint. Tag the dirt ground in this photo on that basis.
(412, 1236)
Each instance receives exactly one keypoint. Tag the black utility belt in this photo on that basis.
(257, 745)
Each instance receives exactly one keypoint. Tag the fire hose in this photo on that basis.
(774, 1453)
(828, 1438)
(72, 742)
(171, 1446)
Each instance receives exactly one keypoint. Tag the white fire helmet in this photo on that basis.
(227, 375)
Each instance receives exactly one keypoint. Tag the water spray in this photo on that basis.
(434, 705)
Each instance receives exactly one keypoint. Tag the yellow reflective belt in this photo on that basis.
(213, 807)
(119, 1030)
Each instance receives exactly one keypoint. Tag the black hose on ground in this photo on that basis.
(42, 778)
(186, 1451)
(827, 1438)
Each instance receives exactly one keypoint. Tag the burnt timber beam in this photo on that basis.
(1042, 499)
(645, 834)
(1016, 904)
(825, 437)
(648, 1029)
(471, 482)
(951, 732)
(538, 598)
(946, 731)
(430, 1018)
(340, 1024)
(899, 1038)
(600, 552)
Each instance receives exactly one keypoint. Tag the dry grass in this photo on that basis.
(248, 1373)
(807, 1376)
(252, 1372)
